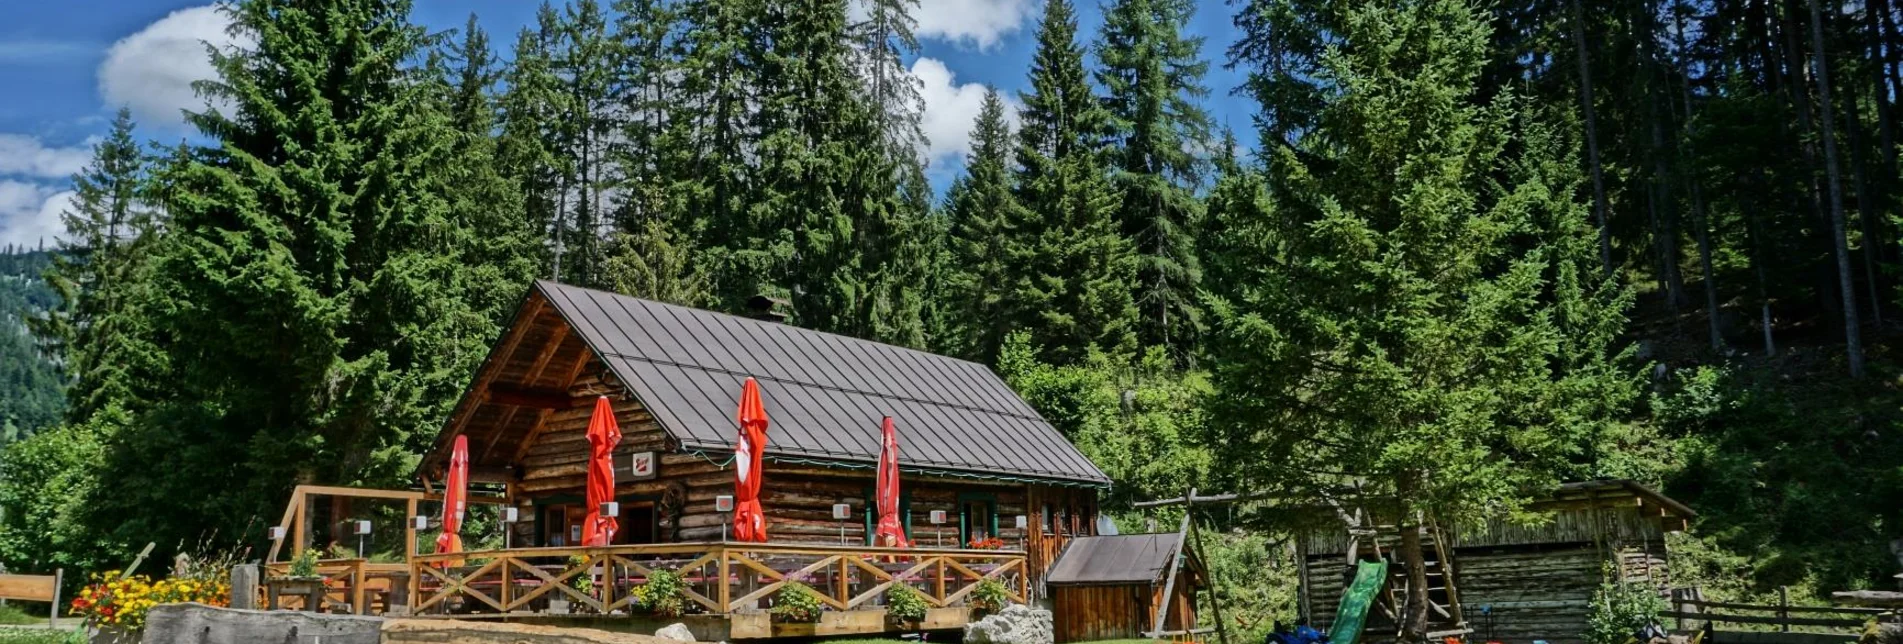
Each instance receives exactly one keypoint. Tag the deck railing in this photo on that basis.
(719, 578)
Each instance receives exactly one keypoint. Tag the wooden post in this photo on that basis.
(940, 584)
(508, 582)
(409, 530)
(1784, 609)
(357, 605)
(297, 525)
(725, 590)
(607, 582)
(1215, 605)
(1176, 563)
(52, 617)
(244, 586)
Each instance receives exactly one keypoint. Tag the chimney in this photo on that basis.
(765, 307)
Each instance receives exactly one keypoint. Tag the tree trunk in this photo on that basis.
(1757, 266)
(1886, 134)
(1853, 340)
(1413, 557)
(1866, 210)
(1592, 139)
(1699, 217)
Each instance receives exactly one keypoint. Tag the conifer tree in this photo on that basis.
(501, 254)
(1424, 313)
(1152, 74)
(526, 146)
(1072, 270)
(99, 275)
(707, 149)
(979, 208)
(316, 316)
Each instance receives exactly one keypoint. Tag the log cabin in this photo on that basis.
(990, 490)
(1508, 581)
(1110, 587)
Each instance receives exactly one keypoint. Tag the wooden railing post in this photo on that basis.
(725, 598)
(1784, 609)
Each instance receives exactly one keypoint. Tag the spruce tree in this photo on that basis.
(501, 252)
(1152, 75)
(1071, 269)
(315, 298)
(707, 151)
(100, 276)
(1423, 313)
(979, 208)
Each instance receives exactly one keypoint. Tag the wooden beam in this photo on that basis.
(490, 366)
(1176, 562)
(535, 398)
(541, 417)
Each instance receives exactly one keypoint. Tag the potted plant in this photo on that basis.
(663, 594)
(796, 610)
(905, 606)
(989, 597)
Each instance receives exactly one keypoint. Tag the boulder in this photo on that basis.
(1016, 624)
(201, 624)
(677, 632)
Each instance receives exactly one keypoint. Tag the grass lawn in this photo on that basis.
(10, 635)
(13, 615)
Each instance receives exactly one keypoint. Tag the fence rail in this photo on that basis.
(1693, 612)
(718, 578)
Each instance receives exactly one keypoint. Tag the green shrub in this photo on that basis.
(991, 596)
(796, 603)
(663, 594)
(304, 564)
(905, 603)
(1620, 609)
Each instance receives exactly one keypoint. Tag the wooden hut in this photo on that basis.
(1510, 582)
(1111, 587)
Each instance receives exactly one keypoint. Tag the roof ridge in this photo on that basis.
(767, 323)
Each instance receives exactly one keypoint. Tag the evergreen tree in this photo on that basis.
(645, 86)
(707, 149)
(1152, 74)
(657, 264)
(1071, 269)
(501, 252)
(979, 208)
(1424, 314)
(99, 273)
(526, 147)
(1236, 217)
(316, 312)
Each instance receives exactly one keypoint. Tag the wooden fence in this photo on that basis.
(1764, 623)
(718, 578)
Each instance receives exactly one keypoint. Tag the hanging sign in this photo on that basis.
(641, 465)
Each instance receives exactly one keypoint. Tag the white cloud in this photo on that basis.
(950, 110)
(25, 155)
(29, 212)
(152, 71)
(980, 23)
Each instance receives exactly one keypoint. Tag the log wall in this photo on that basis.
(1538, 588)
(797, 499)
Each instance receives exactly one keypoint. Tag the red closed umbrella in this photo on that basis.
(749, 523)
(455, 497)
(603, 435)
(890, 533)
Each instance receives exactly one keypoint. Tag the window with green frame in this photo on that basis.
(977, 516)
(871, 514)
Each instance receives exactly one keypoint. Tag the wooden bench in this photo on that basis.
(34, 588)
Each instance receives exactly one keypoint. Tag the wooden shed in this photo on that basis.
(1111, 587)
(1509, 582)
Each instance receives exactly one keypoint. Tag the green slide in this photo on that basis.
(1356, 600)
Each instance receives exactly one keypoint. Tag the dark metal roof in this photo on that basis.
(825, 393)
(1122, 559)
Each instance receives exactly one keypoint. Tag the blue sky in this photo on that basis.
(68, 65)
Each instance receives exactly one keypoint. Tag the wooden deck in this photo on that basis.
(731, 583)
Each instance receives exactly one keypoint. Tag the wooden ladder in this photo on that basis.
(1443, 598)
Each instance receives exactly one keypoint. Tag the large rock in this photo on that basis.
(1016, 624)
(453, 631)
(201, 624)
(677, 632)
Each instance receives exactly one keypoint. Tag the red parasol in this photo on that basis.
(455, 497)
(890, 533)
(749, 524)
(603, 435)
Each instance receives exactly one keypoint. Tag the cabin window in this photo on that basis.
(1049, 518)
(560, 520)
(977, 518)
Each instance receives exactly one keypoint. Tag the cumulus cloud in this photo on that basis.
(152, 71)
(28, 156)
(950, 110)
(979, 23)
(29, 212)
